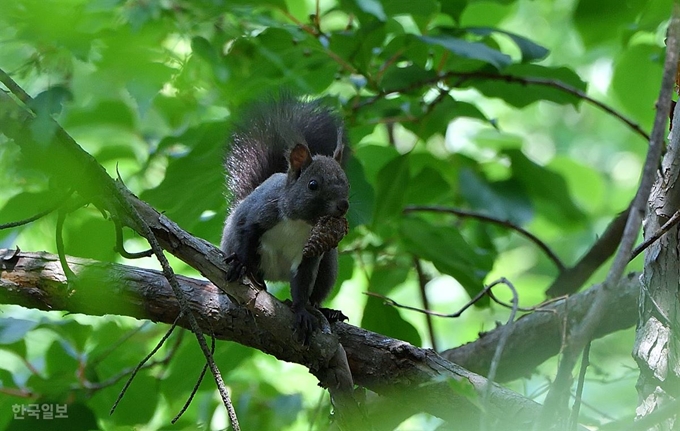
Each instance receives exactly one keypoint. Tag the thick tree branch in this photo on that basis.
(387, 366)
(571, 279)
(538, 336)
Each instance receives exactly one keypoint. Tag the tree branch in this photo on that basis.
(538, 336)
(489, 219)
(387, 366)
(572, 278)
(556, 400)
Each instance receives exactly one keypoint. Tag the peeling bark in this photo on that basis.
(657, 342)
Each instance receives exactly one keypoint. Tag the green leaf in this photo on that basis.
(427, 187)
(530, 50)
(361, 196)
(546, 87)
(472, 50)
(205, 50)
(346, 266)
(437, 120)
(358, 48)
(505, 200)
(61, 363)
(446, 248)
(139, 404)
(86, 234)
(422, 12)
(637, 79)
(28, 204)
(388, 275)
(547, 189)
(408, 7)
(286, 408)
(111, 112)
(404, 78)
(51, 101)
(189, 360)
(454, 8)
(385, 319)
(393, 179)
(74, 332)
(60, 370)
(6, 379)
(620, 14)
(188, 172)
(372, 7)
(13, 330)
(655, 12)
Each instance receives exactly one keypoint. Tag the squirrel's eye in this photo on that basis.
(313, 185)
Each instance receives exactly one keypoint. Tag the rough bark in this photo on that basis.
(657, 342)
(394, 369)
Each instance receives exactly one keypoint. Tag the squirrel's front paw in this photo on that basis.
(305, 325)
(236, 269)
(333, 315)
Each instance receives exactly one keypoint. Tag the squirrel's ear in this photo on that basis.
(339, 146)
(299, 159)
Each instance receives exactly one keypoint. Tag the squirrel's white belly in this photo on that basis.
(281, 248)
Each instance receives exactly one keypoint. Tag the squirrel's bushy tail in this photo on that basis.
(266, 131)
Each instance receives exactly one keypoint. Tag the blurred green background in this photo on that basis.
(148, 87)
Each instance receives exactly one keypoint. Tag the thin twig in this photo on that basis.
(196, 386)
(38, 215)
(556, 400)
(575, 411)
(505, 223)
(61, 252)
(656, 235)
(120, 246)
(115, 345)
(121, 195)
(184, 306)
(422, 283)
(317, 411)
(149, 364)
(15, 88)
(558, 85)
(571, 279)
(485, 291)
(495, 361)
(142, 362)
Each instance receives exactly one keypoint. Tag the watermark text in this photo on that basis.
(46, 411)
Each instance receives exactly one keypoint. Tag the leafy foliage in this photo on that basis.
(148, 88)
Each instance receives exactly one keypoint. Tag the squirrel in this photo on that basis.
(284, 173)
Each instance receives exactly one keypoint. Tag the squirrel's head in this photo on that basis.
(317, 185)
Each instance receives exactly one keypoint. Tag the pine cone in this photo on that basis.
(326, 234)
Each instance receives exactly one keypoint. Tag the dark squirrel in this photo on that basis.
(285, 173)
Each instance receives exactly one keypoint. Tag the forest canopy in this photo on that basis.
(497, 148)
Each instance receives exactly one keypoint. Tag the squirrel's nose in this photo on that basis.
(342, 206)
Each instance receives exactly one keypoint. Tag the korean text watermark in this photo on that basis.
(46, 411)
